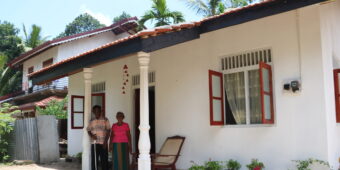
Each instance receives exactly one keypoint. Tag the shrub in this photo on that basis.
(233, 165)
(304, 164)
(255, 165)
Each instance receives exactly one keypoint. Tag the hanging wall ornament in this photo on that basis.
(125, 78)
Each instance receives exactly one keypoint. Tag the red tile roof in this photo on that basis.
(63, 40)
(154, 32)
(41, 103)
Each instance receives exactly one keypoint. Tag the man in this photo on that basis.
(99, 132)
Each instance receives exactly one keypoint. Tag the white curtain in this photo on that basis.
(255, 97)
(235, 90)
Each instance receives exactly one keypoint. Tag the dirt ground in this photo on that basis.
(61, 165)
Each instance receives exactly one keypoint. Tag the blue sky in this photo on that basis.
(54, 15)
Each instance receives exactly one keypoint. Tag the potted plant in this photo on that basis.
(255, 165)
(233, 165)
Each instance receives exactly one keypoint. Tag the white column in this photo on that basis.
(144, 161)
(86, 161)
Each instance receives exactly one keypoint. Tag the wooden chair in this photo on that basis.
(168, 155)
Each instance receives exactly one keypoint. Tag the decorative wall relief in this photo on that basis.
(125, 78)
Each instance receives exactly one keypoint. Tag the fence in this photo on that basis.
(26, 140)
(35, 139)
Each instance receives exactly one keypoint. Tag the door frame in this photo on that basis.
(103, 97)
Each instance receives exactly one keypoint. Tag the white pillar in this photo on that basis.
(86, 161)
(144, 161)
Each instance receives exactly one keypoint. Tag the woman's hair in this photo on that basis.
(120, 114)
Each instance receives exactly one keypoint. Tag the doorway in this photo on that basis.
(152, 131)
(98, 99)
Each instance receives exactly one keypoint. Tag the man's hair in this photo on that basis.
(96, 107)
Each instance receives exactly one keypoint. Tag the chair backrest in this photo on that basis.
(172, 146)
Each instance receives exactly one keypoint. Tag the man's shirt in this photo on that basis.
(99, 127)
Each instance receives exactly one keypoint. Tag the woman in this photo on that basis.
(120, 144)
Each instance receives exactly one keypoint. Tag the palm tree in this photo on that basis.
(161, 14)
(34, 38)
(214, 7)
(9, 78)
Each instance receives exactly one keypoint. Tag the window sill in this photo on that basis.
(249, 126)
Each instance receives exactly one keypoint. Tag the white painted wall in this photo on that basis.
(68, 50)
(305, 124)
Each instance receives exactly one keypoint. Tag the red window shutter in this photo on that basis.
(77, 112)
(267, 106)
(48, 62)
(337, 94)
(216, 98)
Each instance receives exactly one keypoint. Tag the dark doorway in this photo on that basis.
(152, 131)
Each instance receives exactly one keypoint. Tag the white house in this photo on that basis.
(55, 51)
(254, 82)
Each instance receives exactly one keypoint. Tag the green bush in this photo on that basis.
(304, 164)
(6, 126)
(255, 165)
(233, 165)
(56, 108)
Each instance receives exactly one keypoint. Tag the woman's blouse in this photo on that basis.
(120, 133)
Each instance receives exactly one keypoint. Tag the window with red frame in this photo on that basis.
(247, 96)
(48, 62)
(216, 98)
(337, 94)
(30, 70)
(77, 112)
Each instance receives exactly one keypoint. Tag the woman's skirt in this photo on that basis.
(120, 156)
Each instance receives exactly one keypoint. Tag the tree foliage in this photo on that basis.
(82, 23)
(10, 47)
(54, 107)
(122, 16)
(161, 14)
(6, 126)
(214, 7)
(33, 38)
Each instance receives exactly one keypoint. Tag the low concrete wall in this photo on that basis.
(48, 138)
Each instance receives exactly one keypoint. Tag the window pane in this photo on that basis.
(235, 96)
(254, 97)
(78, 119)
(266, 84)
(78, 105)
(267, 107)
(217, 110)
(216, 89)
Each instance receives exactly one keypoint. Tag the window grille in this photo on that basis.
(98, 87)
(246, 59)
(136, 78)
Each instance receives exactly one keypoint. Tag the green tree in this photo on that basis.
(6, 126)
(122, 16)
(34, 38)
(214, 7)
(10, 79)
(84, 22)
(10, 47)
(10, 43)
(161, 13)
(54, 107)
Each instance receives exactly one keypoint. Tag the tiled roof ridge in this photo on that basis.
(153, 32)
(62, 40)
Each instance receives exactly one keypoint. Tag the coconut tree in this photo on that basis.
(33, 38)
(9, 78)
(161, 14)
(214, 7)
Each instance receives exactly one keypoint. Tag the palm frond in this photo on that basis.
(149, 15)
(199, 6)
(3, 60)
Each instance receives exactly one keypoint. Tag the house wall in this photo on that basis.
(330, 33)
(67, 50)
(302, 128)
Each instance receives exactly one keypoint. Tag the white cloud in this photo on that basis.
(102, 18)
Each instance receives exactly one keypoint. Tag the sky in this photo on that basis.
(54, 15)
